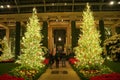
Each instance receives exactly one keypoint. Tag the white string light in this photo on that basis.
(1, 6)
(111, 2)
(53, 4)
(65, 4)
(8, 6)
(119, 2)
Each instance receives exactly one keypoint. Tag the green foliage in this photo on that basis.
(118, 30)
(114, 66)
(105, 70)
(85, 74)
(28, 73)
(107, 67)
(6, 50)
(112, 47)
(88, 51)
(75, 34)
(32, 52)
(17, 39)
(31, 47)
(45, 34)
(102, 31)
(91, 73)
(90, 67)
(108, 32)
(7, 67)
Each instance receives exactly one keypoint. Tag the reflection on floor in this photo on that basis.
(61, 73)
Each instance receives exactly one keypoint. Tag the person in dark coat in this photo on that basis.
(51, 59)
(57, 56)
(63, 59)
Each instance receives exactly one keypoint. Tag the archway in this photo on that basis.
(58, 27)
(59, 37)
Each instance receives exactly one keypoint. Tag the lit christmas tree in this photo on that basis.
(88, 51)
(31, 47)
(7, 55)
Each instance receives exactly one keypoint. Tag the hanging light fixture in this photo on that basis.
(59, 39)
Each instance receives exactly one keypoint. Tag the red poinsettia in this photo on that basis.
(9, 77)
(112, 76)
(46, 61)
(73, 60)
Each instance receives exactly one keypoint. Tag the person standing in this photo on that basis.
(63, 59)
(57, 56)
(51, 59)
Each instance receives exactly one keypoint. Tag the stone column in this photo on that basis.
(102, 31)
(68, 40)
(7, 34)
(50, 37)
(17, 39)
(45, 34)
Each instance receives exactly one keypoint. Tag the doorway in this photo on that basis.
(59, 37)
(59, 33)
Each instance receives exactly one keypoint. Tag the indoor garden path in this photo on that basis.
(61, 73)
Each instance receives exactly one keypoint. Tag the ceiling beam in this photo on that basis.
(67, 15)
(3, 26)
(110, 18)
(117, 23)
(59, 4)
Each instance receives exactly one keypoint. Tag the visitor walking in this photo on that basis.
(63, 59)
(57, 56)
(51, 59)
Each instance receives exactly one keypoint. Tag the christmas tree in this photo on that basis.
(31, 47)
(7, 55)
(88, 51)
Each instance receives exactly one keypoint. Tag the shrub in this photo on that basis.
(112, 47)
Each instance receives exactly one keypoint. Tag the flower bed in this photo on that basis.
(112, 76)
(9, 77)
(87, 73)
(7, 61)
(92, 74)
(28, 74)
